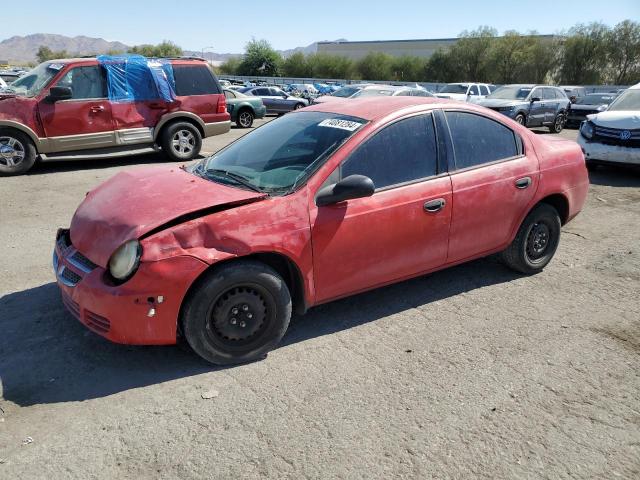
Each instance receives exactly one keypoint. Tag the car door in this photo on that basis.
(493, 183)
(550, 105)
(279, 101)
(537, 108)
(400, 231)
(83, 121)
(266, 97)
(473, 92)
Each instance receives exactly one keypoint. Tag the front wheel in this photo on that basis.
(521, 119)
(536, 241)
(298, 106)
(181, 141)
(237, 313)
(17, 152)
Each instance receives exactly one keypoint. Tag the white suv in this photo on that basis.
(465, 92)
(613, 136)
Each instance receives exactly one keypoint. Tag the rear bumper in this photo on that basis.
(260, 111)
(216, 128)
(142, 311)
(594, 151)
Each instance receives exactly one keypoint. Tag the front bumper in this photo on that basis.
(594, 151)
(142, 311)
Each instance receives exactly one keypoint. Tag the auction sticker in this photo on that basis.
(341, 124)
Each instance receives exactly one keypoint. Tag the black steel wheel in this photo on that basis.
(245, 118)
(236, 313)
(536, 242)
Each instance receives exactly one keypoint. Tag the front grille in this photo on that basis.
(97, 323)
(611, 136)
(80, 261)
(69, 277)
(72, 306)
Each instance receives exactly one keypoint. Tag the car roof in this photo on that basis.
(635, 87)
(373, 108)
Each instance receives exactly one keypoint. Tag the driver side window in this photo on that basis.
(85, 82)
(402, 152)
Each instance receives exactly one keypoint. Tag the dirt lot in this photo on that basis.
(473, 372)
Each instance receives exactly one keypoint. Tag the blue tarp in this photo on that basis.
(134, 77)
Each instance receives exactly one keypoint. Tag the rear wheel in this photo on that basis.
(17, 152)
(237, 313)
(181, 141)
(245, 118)
(558, 123)
(536, 241)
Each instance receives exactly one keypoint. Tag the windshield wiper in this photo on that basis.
(234, 176)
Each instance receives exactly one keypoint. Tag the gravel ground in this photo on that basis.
(473, 372)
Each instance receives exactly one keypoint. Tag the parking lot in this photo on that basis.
(474, 371)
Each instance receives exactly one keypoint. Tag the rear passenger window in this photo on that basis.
(484, 90)
(478, 140)
(402, 152)
(194, 80)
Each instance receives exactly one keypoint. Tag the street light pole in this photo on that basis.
(203, 49)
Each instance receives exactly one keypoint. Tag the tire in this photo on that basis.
(592, 167)
(236, 313)
(521, 119)
(245, 118)
(558, 123)
(17, 152)
(181, 141)
(298, 106)
(536, 241)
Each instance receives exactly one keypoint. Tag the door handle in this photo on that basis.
(523, 183)
(433, 206)
(96, 108)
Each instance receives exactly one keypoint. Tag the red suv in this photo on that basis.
(323, 203)
(81, 108)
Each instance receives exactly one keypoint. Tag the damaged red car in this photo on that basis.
(320, 204)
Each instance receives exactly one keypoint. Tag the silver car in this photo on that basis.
(276, 100)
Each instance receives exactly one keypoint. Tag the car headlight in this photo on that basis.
(505, 109)
(125, 260)
(586, 129)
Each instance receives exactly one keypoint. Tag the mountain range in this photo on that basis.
(22, 49)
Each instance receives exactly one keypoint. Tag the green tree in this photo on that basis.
(164, 49)
(296, 65)
(324, 65)
(408, 68)
(45, 53)
(260, 59)
(440, 68)
(375, 66)
(623, 53)
(231, 66)
(470, 54)
(507, 57)
(584, 54)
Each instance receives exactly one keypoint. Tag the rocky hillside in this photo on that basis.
(23, 49)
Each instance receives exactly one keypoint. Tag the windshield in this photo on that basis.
(454, 88)
(629, 100)
(33, 82)
(282, 154)
(373, 92)
(346, 92)
(511, 93)
(595, 99)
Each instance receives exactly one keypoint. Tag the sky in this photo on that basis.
(227, 26)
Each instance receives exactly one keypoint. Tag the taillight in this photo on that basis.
(222, 104)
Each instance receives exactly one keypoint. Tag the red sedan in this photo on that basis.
(320, 204)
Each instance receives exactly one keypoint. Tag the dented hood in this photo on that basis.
(617, 119)
(139, 201)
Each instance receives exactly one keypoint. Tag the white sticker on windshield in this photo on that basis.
(341, 124)
(56, 66)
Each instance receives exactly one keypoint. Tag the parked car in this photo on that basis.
(464, 91)
(373, 90)
(276, 100)
(9, 76)
(244, 108)
(530, 105)
(587, 105)
(320, 204)
(303, 88)
(64, 108)
(224, 83)
(613, 136)
(573, 92)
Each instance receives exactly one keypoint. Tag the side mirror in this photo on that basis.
(535, 99)
(59, 93)
(354, 186)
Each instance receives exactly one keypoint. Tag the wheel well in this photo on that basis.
(560, 203)
(180, 119)
(10, 129)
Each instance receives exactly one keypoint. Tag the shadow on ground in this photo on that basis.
(49, 357)
(615, 176)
